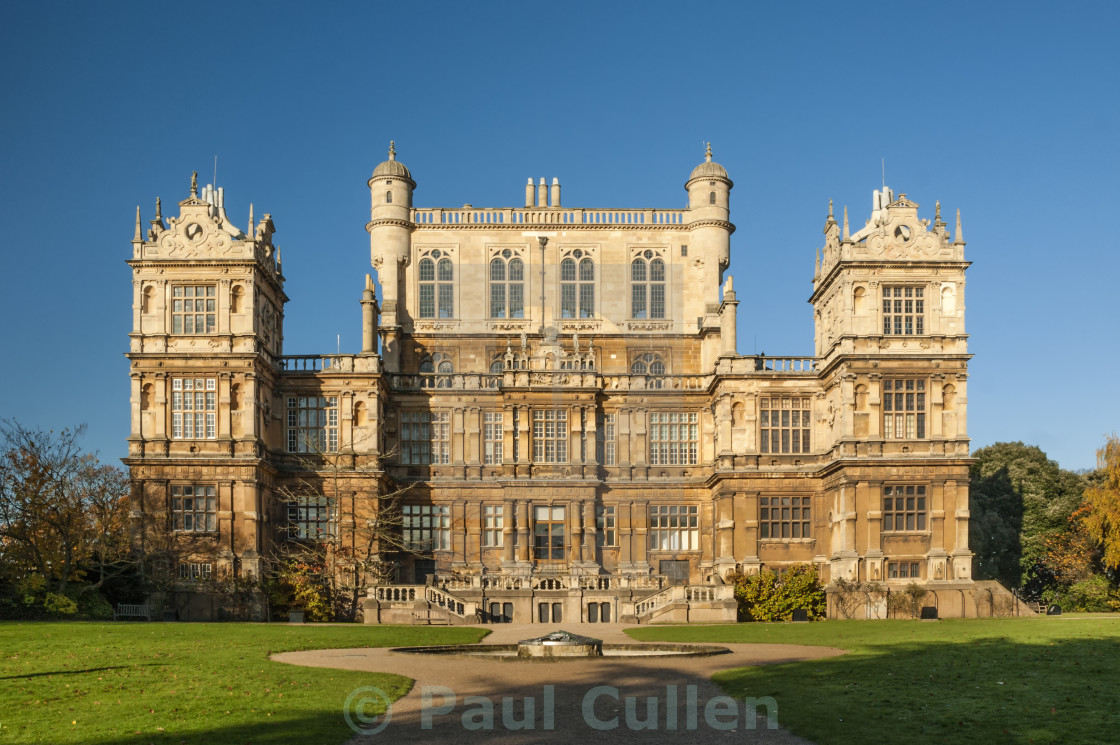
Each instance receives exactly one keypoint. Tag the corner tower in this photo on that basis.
(709, 205)
(208, 309)
(390, 237)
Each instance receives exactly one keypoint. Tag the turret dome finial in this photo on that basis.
(708, 154)
(392, 150)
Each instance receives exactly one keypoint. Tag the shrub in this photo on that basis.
(907, 603)
(1093, 595)
(59, 605)
(848, 596)
(766, 597)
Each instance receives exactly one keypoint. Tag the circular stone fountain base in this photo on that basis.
(562, 645)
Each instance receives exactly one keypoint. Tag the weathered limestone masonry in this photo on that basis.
(559, 393)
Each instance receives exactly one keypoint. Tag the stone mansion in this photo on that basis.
(551, 402)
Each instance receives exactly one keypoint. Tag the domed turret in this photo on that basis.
(391, 188)
(708, 169)
(709, 197)
(708, 185)
(393, 167)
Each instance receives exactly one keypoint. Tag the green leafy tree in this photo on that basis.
(1019, 498)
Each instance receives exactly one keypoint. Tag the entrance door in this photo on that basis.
(675, 570)
(549, 534)
(421, 569)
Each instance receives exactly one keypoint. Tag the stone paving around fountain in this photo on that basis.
(619, 700)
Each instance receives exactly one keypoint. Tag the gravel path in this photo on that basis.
(563, 702)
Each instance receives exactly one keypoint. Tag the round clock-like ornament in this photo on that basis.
(194, 231)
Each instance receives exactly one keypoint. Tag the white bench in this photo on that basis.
(133, 610)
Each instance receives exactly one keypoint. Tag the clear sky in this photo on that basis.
(1008, 111)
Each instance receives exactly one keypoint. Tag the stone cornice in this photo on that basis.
(729, 227)
(262, 271)
(840, 266)
(410, 225)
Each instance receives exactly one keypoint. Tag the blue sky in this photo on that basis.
(1008, 111)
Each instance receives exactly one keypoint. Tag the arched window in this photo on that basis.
(437, 288)
(647, 288)
(649, 364)
(436, 369)
(577, 288)
(711, 197)
(498, 366)
(388, 197)
(507, 286)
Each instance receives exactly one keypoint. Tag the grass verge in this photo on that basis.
(186, 684)
(1026, 680)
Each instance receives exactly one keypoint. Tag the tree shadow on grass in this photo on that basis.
(75, 672)
(989, 690)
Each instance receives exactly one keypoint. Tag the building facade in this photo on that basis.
(551, 404)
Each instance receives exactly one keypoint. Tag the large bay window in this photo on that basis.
(193, 408)
(193, 309)
(784, 424)
(312, 424)
(427, 527)
(904, 310)
(425, 438)
(674, 527)
(550, 436)
(904, 409)
(674, 438)
(194, 508)
(904, 508)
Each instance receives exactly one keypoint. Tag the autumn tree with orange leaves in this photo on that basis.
(1103, 501)
(63, 515)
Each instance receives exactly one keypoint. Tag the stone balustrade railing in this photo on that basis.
(449, 602)
(552, 582)
(396, 593)
(329, 363)
(655, 601)
(538, 216)
(766, 364)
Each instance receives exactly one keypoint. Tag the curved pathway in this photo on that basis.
(564, 702)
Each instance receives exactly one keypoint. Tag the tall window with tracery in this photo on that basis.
(492, 435)
(426, 527)
(193, 309)
(193, 408)
(904, 311)
(577, 287)
(904, 409)
(784, 425)
(312, 424)
(425, 438)
(605, 435)
(674, 527)
(437, 286)
(507, 286)
(647, 287)
(493, 520)
(550, 436)
(674, 438)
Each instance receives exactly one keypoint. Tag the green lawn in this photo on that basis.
(989, 681)
(189, 684)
